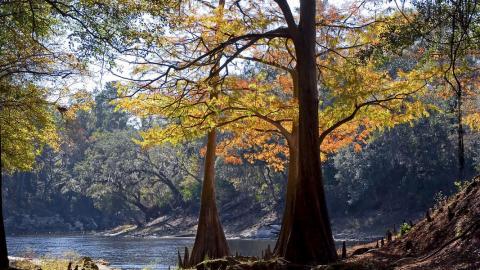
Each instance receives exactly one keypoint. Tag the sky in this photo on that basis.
(99, 76)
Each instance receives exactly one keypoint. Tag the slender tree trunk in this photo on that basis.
(310, 241)
(460, 135)
(292, 181)
(3, 239)
(210, 240)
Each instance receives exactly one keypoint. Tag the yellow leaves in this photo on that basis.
(78, 101)
(27, 125)
(31, 62)
(169, 133)
(258, 111)
(473, 121)
(213, 26)
(368, 98)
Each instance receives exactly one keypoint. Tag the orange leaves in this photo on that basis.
(203, 151)
(233, 160)
(357, 147)
(286, 83)
(355, 132)
(241, 84)
(251, 142)
(272, 153)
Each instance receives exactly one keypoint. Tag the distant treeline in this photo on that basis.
(101, 178)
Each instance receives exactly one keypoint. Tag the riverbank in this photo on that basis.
(245, 225)
(186, 226)
(267, 227)
(448, 237)
(84, 263)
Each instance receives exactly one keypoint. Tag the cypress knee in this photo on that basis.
(451, 214)
(179, 258)
(389, 236)
(429, 218)
(186, 254)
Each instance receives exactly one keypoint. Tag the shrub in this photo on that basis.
(405, 228)
(461, 185)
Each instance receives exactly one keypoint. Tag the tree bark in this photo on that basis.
(310, 241)
(3, 239)
(292, 181)
(210, 240)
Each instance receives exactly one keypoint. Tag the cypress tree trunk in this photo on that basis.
(292, 181)
(310, 241)
(3, 239)
(210, 239)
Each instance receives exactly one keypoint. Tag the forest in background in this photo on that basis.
(100, 178)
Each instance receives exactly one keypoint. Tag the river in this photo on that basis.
(120, 252)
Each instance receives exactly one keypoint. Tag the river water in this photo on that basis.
(120, 252)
